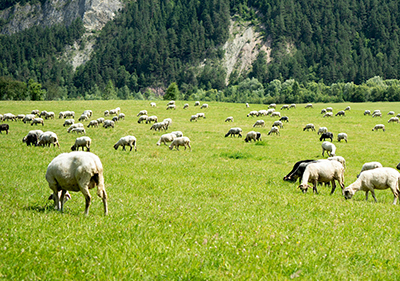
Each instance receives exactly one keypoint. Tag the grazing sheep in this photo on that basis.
(61, 115)
(20, 117)
(390, 113)
(166, 138)
(106, 113)
(285, 106)
(197, 103)
(329, 147)
(114, 112)
(49, 115)
(28, 118)
(234, 132)
(171, 106)
(168, 122)
(171, 102)
(269, 111)
(76, 171)
(93, 123)
(108, 123)
(309, 126)
(1, 117)
(322, 130)
(158, 126)
(114, 119)
(275, 113)
(339, 159)
(88, 113)
(4, 127)
(328, 114)
(186, 105)
(262, 112)
(259, 123)
(322, 171)
(284, 119)
(37, 121)
(340, 113)
(247, 105)
(69, 114)
(326, 135)
(9, 116)
(369, 166)
(152, 118)
(292, 105)
(43, 113)
(35, 112)
(77, 125)
(272, 105)
(347, 108)
(79, 130)
(128, 140)
(379, 126)
(83, 117)
(309, 105)
(201, 115)
(278, 124)
(229, 119)
(379, 178)
(274, 130)
(68, 122)
(153, 104)
(252, 135)
(142, 118)
(329, 109)
(398, 115)
(204, 105)
(182, 141)
(142, 112)
(342, 136)
(323, 111)
(82, 142)
(118, 110)
(100, 120)
(32, 137)
(253, 113)
(121, 116)
(178, 134)
(297, 171)
(193, 118)
(367, 112)
(376, 114)
(394, 120)
(48, 138)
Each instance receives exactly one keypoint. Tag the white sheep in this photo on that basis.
(61, 115)
(342, 136)
(76, 171)
(204, 105)
(253, 113)
(275, 113)
(340, 159)
(20, 116)
(322, 171)
(309, 105)
(394, 120)
(369, 166)
(367, 112)
(328, 114)
(49, 115)
(259, 123)
(121, 116)
(76, 125)
(272, 105)
(100, 120)
(68, 122)
(247, 105)
(234, 132)
(379, 178)
(82, 142)
(158, 126)
(93, 123)
(83, 117)
(108, 123)
(171, 102)
(292, 105)
(376, 114)
(269, 111)
(193, 118)
(329, 147)
(278, 124)
(201, 115)
(229, 119)
(285, 106)
(128, 140)
(171, 106)
(88, 113)
(106, 113)
(152, 118)
(182, 141)
(43, 113)
(114, 112)
(118, 110)
(262, 112)
(197, 103)
(48, 138)
(142, 118)
(252, 135)
(69, 114)
(379, 126)
(168, 122)
(35, 112)
(166, 138)
(28, 117)
(142, 112)
(322, 130)
(37, 121)
(309, 126)
(329, 109)
(323, 111)
(186, 105)
(32, 137)
(274, 130)
(391, 113)
(347, 108)
(178, 134)
(79, 130)
(153, 104)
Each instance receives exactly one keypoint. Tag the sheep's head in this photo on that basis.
(348, 193)
(73, 148)
(115, 146)
(304, 187)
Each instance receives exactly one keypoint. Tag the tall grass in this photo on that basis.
(220, 212)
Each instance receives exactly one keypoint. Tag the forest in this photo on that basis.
(322, 51)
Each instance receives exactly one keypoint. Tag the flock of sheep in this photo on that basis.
(81, 171)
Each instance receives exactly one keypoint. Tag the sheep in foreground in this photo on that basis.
(369, 166)
(234, 132)
(166, 138)
(128, 140)
(274, 130)
(259, 123)
(394, 120)
(379, 178)
(108, 123)
(322, 171)
(76, 171)
(37, 121)
(68, 122)
(229, 119)
(322, 130)
(342, 136)
(48, 138)
(329, 147)
(182, 141)
(379, 126)
(252, 135)
(82, 142)
(309, 127)
(340, 159)
(326, 135)
(93, 123)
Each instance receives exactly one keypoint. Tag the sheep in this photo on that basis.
(142, 118)
(398, 115)
(43, 113)
(322, 130)
(118, 110)
(9, 116)
(328, 114)
(201, 115)
(379, 126)
(83, 117)
(204, 105)
(121, 116)
(339, 159)
(153, 104)
(253, 113)
(158, 126)
(35, 112)
(234, 132)
(285, 106)
(292, 105)
(108, 123)
(322, 171)
(369, 166)
(284, 119)
(262, 112)
(259, 123)
(178, 134)
(106, 113)
(340, 113)
(309, 105)
(197, 103)
(68, 122)
(193, 118)
(100, 120)
(278, 124)
(274, 130)
(329, 109)
(379, 178)
(77, 125)
(273, 114)
(82, 142)
(32, 137)
(1, 117)
(168, 122)
(152, 118)
(114, 112)
(171, 102)
(93, 123)
(49, 115)
(367, 112)
(342, 136)
(76, 171)
(88, 113)
(20, 117)
(309, 126)
(394, 120)
(186, 105)
(252, 135)
(48, 138)
(171, 106)
(323, 111)
(28, 117)
(114, 119)
(390, 113)
(297, 171)
(182, 141)
(128, 140)
(4, 127)
(79, 130)
(326, 135)
(269, 111)
(229, 119)
(272, 105)
(347, 108)
(142, 112)
(166, 138)
(61, 115)
(247, 105)
(329, 147)
(376, 114)
(37, 121)
(69, 114)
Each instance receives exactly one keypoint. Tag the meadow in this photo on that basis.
(219, 212)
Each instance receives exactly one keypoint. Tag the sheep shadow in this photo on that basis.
(40, 209)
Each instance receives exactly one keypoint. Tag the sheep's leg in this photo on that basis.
(131, 147)
(373, 195)
(323, 151)
(315, 187)
(62, 199)
(333, 187)
(190, 148)
(123, 147)
(366, 195)
(87, 199)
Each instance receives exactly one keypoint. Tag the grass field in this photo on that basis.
(219, 212)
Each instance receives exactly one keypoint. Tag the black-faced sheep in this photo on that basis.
(253, 113)
(48, 138)
(76, 171)
(68, 122)
(152, 118)
(394, 120)
(328, 114)
(108, 123)
(182, 141)
(309, 127)
(234, 132)
(367, 112)
(274, 130)
(322, 130)
(391, 113)
(297, 171)
(278, 124)
(205, 105)
(309, 105)
(379, 126)
(229, 119)
(252, 135)
(37, 121)
(292, 105)
(284, 119)
(128, 140)
(285, 106)
(342, 136)
(142, 118)
(32, 137)
(347, 108)
(49, 115)
(326, 135)
(197, 103)
(93, 123)
(73, 126)
(28, 118)
(193, 118)
(272, 105)
(186, 105)
(259, 123)
(4, 127)
(340, 113)
(142, 112)
(82, 142)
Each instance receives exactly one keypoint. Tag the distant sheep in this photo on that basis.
(340, 113)
(186, 105)
(342, 136)
(37, 121)
(153, 104)
(171, 106)
(247, 105)
(284, 119)
(68, 122)
(100, 120)
(182, 141)
(193, 118)
(166, 138)
(93, 124)
(253, 113)
(274, 130)
(142, 118)
(323, 111)
(379, 126)
(108, 123)
(178, 134)
(171, 102)
(309, 105)
(394, 120)
(204, 105)
(329, 147)
(262, 112)
(76, 125)
(285, 106)
(252, 135)
(168, 121)
(28, 118)
(115, 119)
(328, 114)
(278, 124)
(142, 112)
(121, 116)
(79, 130)
(339, 159)
(128, 140)
(201, 115)
(329, 109)
(234, 132)
(106, 113)
(275, 113)
(229, 119)
(347, 108)
(82, 142)
(259, 123)
(322, 130)
(49, 115)
(292, 105)
(158, 126)
(272, 105)
(83, 117)
(326, 135)
(309, 126)
(391, 113)
(48, 138)
(32, 137)
(197, 103)
(377, 114)
(152, 118)
(35, 112)
(369, 166)
(4, 127)
(367, 112)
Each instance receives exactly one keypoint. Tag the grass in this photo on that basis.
(220, 212)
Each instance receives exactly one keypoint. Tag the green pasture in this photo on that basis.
(219, 212)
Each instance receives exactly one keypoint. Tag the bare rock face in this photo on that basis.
(94, 13)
